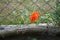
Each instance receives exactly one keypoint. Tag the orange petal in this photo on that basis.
(33, 16)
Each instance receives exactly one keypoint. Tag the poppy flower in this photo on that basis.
(33, 16)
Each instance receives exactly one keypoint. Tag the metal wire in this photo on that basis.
(28, 6)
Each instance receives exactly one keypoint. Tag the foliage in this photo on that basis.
(57, 15)
(24, 18)
(20, 15)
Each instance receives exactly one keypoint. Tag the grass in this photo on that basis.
(21, 14)
(24, 19)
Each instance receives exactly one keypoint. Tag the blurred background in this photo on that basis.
(18, 11)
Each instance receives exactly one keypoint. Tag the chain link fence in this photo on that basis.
(17, 11)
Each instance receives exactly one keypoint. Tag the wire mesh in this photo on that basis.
(18, 11)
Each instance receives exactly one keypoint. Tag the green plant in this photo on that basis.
(58, 14)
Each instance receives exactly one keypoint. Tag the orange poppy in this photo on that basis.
(33, 16)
